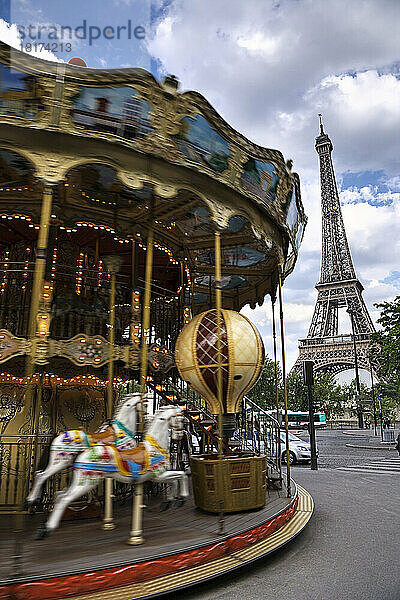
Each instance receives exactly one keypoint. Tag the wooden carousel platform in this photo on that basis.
(182, 547)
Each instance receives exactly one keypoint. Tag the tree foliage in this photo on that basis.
(335, 399)
(385, 351)
(385, 355)
(328, 396)
(263, 393)
(296, 392)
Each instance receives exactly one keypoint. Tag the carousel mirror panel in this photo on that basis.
(20, 94)
(118, 111)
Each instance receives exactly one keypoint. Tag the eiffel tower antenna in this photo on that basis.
(321, 127)
(338, 286)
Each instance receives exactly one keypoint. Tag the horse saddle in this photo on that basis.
(106, 437)
(131, 461)
(136, 455)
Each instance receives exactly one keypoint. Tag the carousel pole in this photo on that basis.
(113, 265)
(284, 385)
(136, 535)
(37, 293)
(278, 416)
(218, 307)
(31, 402)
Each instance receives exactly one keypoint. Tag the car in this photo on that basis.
(299, 450)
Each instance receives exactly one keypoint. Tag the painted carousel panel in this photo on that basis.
(299, 235)
(228, 282)
(119, 111)
(16, 173)
(99, 185)
(260, 178)
(200, 143)
(20, 94)
(291, 211)
(196, 222)
(239, 257)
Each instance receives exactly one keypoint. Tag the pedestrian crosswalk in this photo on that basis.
(384, 466)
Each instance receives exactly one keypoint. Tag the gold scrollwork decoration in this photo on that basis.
(160, 358)
(83, 350)
(11, 346)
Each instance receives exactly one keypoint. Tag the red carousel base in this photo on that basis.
(155, 571)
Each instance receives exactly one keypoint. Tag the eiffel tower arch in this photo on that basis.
(338, 286)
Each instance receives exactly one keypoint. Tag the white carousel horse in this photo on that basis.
(120, 432)
(149, 460)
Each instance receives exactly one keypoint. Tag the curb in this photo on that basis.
(359, 435)
(370, 447)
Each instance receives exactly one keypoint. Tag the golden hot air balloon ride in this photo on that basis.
(237, 482)
(242, 354)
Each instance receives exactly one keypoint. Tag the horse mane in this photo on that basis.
(127, 397)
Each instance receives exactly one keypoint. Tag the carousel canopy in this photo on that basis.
(123, 151)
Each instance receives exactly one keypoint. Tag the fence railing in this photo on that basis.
(16, 469)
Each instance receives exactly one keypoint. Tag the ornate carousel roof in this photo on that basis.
(123, 151)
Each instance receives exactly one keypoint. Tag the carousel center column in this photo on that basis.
(39, 317)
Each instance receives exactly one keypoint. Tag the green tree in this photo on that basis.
(385, 352)
(387, 395)
(328, 396)
(385, 355)
(296, 392)
(263, 393)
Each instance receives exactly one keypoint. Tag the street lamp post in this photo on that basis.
(359, 409)
(380, 417)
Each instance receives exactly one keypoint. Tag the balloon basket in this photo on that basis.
(239, 482)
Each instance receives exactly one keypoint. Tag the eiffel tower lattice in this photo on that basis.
(338, 286)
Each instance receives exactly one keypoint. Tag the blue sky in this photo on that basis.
(269, 68)
(97, 53)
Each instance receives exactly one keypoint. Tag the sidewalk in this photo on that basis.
(367, 440)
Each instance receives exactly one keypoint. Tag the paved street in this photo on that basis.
(349, 551)
(383, 466)
(334, 453)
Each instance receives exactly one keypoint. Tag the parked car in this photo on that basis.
(299, 450)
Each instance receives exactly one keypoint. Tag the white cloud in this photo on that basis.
(269, 68)
(10, 35)
(257, 43)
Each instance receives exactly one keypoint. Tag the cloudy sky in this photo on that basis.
(269, 67)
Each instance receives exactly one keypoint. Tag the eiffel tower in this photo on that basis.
(338, 286)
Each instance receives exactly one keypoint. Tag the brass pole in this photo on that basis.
(112, 342)
(112, 264)
(133, 251)
(38, 278)
(41, 254)
(278, 416)
(136, 535)
(284, 384)
(218, 307)
(37, 289)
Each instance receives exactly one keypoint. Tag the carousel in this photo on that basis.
(135, 224)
